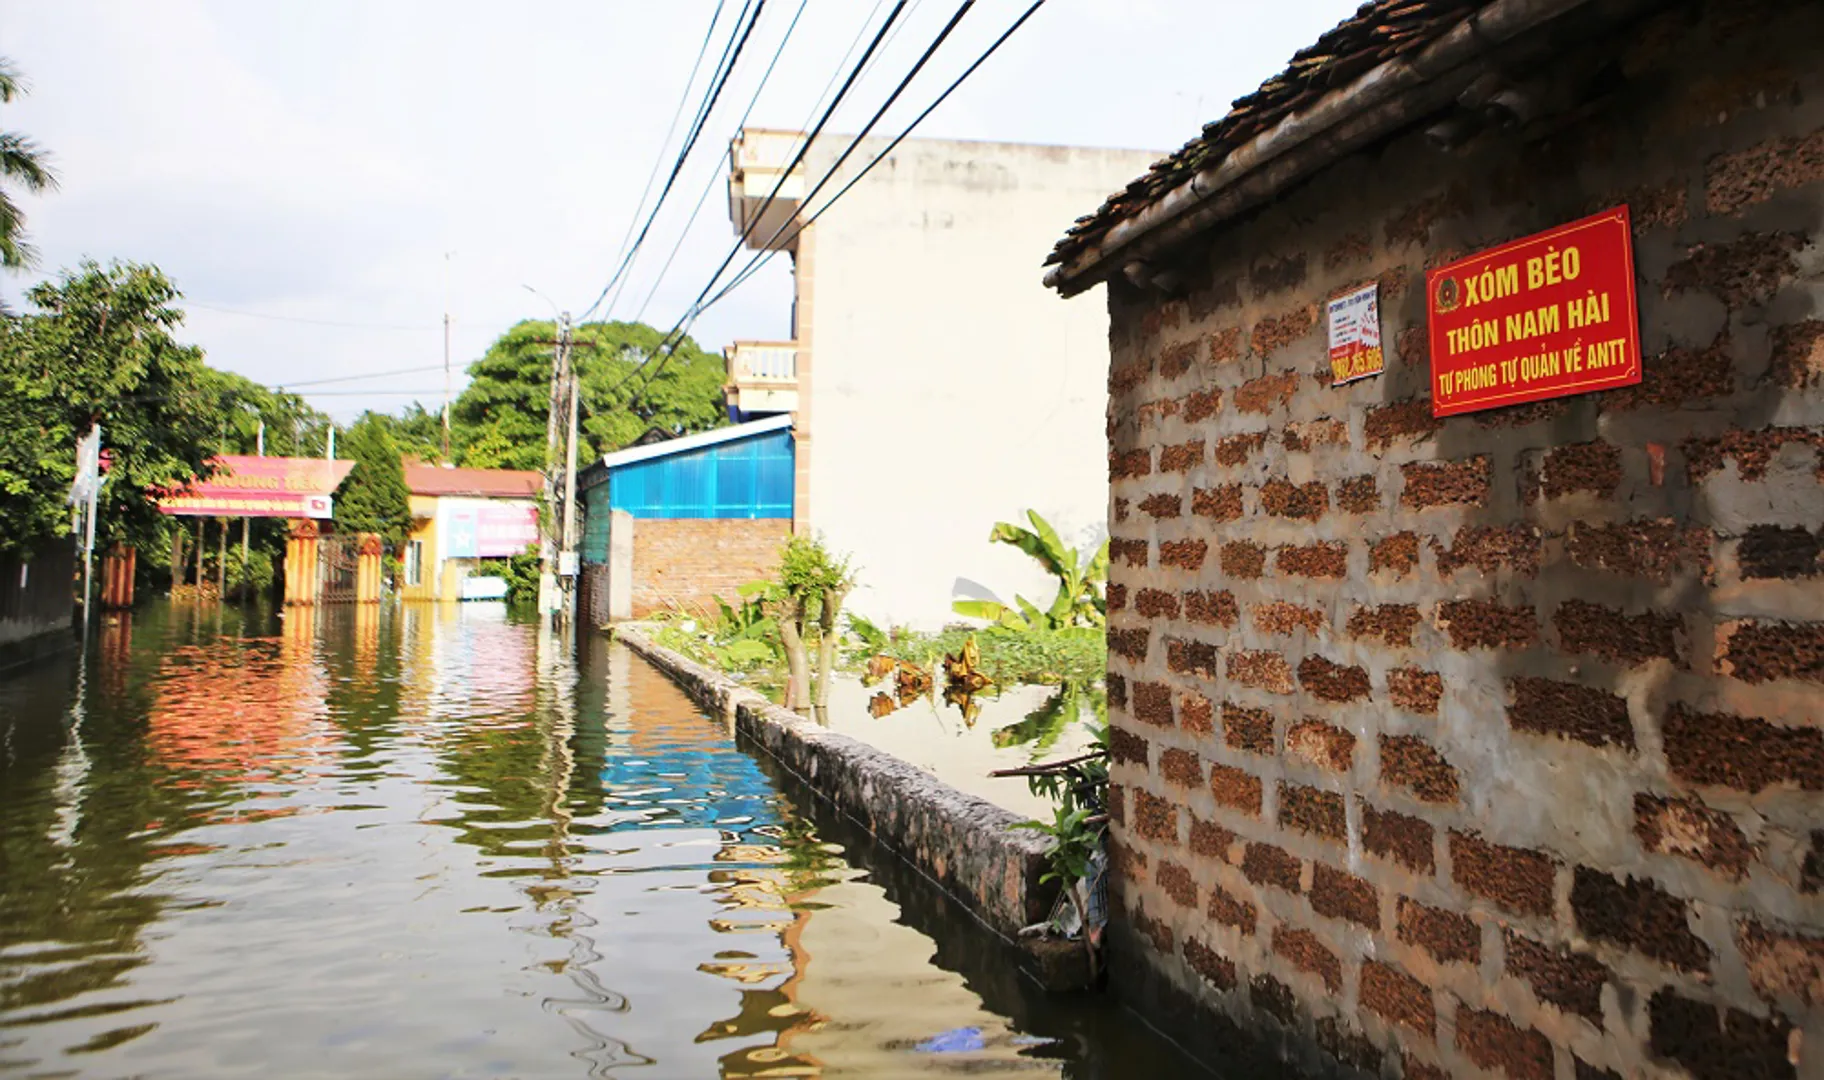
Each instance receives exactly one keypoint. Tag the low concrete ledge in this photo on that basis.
(965, 844)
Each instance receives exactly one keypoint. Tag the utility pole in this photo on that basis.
(567, 559)
(446, 386)
(547, 578)
(446, 355)
(259, 447)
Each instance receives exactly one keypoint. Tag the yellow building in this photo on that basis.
(459, 517)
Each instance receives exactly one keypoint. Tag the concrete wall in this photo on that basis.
(948, 389)
(424, 529)
(963, 844)
(687, 562)
(1494, 745)
(37, 603)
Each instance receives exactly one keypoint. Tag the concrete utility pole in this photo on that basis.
(567, 567)
(446, 355)
(547, 577)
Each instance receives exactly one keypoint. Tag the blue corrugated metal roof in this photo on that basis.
(686, 443)
(750, 476)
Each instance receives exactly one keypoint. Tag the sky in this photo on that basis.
(326, 179)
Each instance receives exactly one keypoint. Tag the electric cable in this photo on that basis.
(762, 257)
(658, 160)
(725, 68)
(288, 387)
(767, 245)
(672, 336)
(189, 303)
(769, 250)
(716, 174)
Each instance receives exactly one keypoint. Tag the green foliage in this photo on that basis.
(416, 431)
(373, 499)
(293, 428)
(251, 577)
(808, 571)
(740, 638)
(499, 421)
(23, 164)
(1077, 654)
(521, 573)
(1074, 840)
(98, 348)
(1078, 601)
(1045, 725)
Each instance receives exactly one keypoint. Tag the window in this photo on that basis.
(414, 563)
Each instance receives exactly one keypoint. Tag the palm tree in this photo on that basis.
(24, 164)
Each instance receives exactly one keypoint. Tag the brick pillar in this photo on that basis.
(117, 567)
(301, 564)
(804, 273)
(367, 568)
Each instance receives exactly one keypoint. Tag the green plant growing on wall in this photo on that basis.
(1079, 602)
(1074, 833)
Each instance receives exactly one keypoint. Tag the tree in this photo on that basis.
(374, 499)
(417, 431)
(499, 420)
(808, 596)
(24, 164)
(291, 427)
(98, 348)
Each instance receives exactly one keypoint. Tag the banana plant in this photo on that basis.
(1078, 601)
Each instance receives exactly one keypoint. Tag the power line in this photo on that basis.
(716, 174)
(186, 302)
(361, 393)
(768, 247)
(674, 336)
(738, 42)
(352, 378)
(658, 160)
(855, 143)
(761, 258)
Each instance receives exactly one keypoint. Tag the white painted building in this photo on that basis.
(937, 386)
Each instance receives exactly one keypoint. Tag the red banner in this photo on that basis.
(1548, 316)
(261, 487)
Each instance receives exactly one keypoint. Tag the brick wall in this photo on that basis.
(686, 562)
(1492, 745)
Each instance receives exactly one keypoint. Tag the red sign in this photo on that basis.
(261, 487)
(1544, 317)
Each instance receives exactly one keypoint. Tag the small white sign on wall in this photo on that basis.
(1355, 334)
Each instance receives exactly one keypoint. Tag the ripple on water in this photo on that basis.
(407, 843)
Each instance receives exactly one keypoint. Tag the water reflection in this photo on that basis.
(430, 842)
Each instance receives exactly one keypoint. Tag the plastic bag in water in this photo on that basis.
(955, 1041)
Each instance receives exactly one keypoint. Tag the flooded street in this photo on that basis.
(411, 842)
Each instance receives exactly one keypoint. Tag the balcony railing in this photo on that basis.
(762, 378)
(770, 362)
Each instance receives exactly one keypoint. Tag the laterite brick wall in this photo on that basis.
(1494, 745)
(687, 562)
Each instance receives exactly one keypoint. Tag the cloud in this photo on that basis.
(318, 159)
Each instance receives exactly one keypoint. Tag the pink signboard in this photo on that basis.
(246, 486)
(488, 528)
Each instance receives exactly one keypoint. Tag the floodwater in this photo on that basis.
(422, 843)
(1006, 728)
